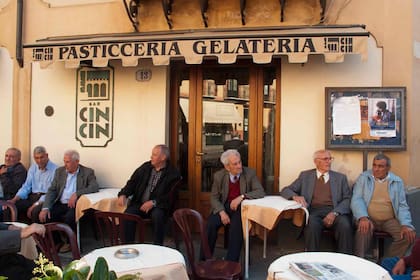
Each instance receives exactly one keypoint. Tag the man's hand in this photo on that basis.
(147, 206)
(329, 219)
(30, 209)
(399, 267)
(415, 275)
(43, 215)
(122, 200)
(13, 200)
(234, 204)
(33, 228)
(408, 233)
(365, 225)
(224, 217)
(72, 201)
(3, 169)
(301, 200)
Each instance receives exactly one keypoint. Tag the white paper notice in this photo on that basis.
(346, 116)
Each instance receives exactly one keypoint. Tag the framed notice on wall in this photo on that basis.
(360, 118)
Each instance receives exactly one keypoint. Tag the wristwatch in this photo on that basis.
(154, 203)
(336, 214)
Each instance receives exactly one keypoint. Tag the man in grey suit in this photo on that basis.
(70, 182)
(327, 196)
(231, 186)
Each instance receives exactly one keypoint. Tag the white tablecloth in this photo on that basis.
(150, 256)
(357, 267)
(104, 200)
(265, 212)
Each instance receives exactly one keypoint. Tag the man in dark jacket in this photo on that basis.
(150, 187)
(12, 174)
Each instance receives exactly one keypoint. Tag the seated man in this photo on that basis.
(70, 182)
(12, 264)
(405, 268)
(150, 186)
(12, 174)
(231, 186)
(379, 202)
(327, 195)
(32, 193)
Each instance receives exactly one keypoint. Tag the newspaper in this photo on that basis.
(319, 271)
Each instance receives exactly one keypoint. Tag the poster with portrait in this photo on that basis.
(365, 118)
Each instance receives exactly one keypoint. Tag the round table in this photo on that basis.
(357, 267)
(152, 261)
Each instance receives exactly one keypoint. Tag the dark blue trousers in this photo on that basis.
(236, 238)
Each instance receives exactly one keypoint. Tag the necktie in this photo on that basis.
(235, 179)
(321, 178)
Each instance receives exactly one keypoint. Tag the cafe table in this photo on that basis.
(355, 267)
(260, 215)
(152, 261)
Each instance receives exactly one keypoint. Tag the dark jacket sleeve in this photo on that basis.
(293, 189)
(13, 179)
(9, 241)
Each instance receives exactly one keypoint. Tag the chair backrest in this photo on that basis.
(13, 212)
(187, 221)
(110, 227)
(173, 196)
(48, 245)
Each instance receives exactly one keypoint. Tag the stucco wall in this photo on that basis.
(139, 120)
(6, 93)
(303, 109)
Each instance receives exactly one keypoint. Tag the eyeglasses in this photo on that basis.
(326, 159)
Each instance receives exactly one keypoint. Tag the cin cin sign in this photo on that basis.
(95, 106)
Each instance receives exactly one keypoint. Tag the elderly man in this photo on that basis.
(150, 185)
(327, 195)
(12, 174)
(12, 264)
(379, 202)
(231, 186)
(70, 182)
(32, 193)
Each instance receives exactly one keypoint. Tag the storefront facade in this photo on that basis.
(91, 83)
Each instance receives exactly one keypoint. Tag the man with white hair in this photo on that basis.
(70, 182)
(231, 186)
(327, 195)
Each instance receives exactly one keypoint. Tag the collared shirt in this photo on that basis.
(381, 180)
(232, 177)
(326, 176)
(37, 181)
(153, 180)
(70, 188)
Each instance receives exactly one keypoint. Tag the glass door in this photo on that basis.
(216, 108)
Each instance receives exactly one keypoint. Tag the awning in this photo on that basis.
(214, 112)
(297, 43)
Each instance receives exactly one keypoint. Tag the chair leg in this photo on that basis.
(381, 245)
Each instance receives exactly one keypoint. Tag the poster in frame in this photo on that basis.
(365, 118)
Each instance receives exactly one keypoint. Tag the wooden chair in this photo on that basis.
(11, 214)
(110, 227)
(50, 248)
(186, 220)
(380, 237)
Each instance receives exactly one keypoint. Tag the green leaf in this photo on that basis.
(101, 271)
(73, 275)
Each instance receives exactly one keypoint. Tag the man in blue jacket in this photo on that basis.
(379, 203)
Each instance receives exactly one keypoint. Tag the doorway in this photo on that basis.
(215, 107)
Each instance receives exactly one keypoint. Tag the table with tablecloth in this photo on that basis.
(152, 262)
(354, 267)
(260, 215)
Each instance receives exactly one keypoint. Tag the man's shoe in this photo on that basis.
(65, 248)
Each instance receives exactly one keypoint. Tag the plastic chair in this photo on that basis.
(110, 226)
(12, 213)
(49, 246)
(210, 268)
